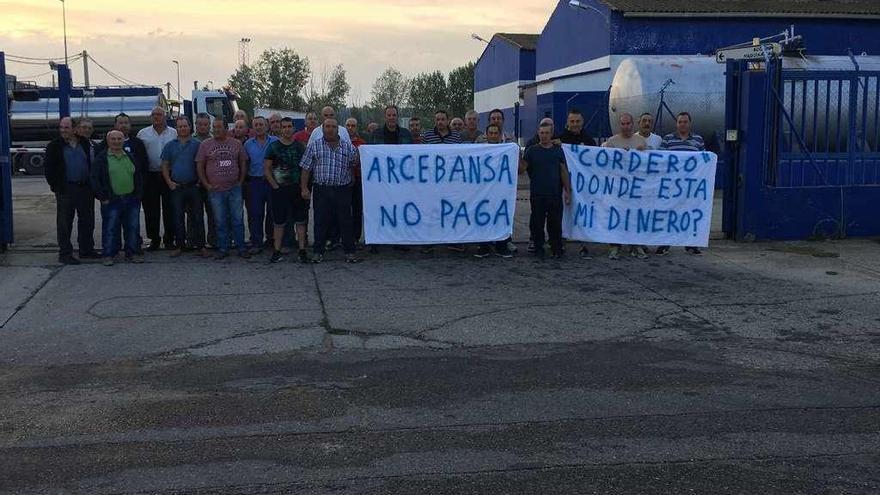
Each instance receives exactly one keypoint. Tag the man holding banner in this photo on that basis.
(549, 187)
(682, 140)
(640, 197)
(330, 160)
(493, 136)
(626, 140)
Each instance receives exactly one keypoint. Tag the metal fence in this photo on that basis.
(827, 131)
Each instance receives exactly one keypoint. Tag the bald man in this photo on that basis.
(157, 196)
(118, 184)
(67, 170)
(318, 132)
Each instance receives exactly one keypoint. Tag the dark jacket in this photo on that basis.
(138, 152)
(568, 137)
(100, 178)
(403, 136)
(54, 166)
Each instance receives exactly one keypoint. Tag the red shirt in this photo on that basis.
(303, 136)
(357, 142)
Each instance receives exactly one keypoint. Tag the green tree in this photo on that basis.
(390, 88)
(244, 82)
(427, 94)
(461, 90)
(282, 75)
(328, 89)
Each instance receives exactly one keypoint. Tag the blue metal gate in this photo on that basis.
(806, 162)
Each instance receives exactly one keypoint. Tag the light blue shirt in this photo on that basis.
(256, 154)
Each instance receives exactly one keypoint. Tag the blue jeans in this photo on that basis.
(259, 212)
(120, 214)
(228, 209)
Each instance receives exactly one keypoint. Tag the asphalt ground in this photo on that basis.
(752, 369)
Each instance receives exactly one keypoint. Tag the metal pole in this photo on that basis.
(86, 67)
(168, 90)
(64, 20)
(177, 63)
(5, 164)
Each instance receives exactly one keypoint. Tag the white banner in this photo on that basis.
(639, 197)
(436, 194)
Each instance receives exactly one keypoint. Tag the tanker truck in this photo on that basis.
(34, 114)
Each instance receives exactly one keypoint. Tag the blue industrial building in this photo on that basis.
(580, 49)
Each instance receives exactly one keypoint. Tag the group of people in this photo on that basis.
(179, 176)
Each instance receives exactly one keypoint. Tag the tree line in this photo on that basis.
(283, 79)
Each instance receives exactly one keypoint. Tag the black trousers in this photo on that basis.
(546, 210)
(332, 204)
(185, 200)
(76, 200)
(357, 210)
(157, 203)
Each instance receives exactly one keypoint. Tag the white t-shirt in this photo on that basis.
(318, 132)
(653, 141)
(155, 142)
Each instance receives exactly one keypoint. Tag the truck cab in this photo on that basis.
(219, 104)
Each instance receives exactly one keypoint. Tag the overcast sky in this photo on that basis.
(138, 39)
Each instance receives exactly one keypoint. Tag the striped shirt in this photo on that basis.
(332, 166)
(434, 137)
(672, 142)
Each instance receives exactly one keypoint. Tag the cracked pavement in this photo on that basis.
(753, 369)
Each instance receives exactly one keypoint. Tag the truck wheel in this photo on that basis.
(33, 163)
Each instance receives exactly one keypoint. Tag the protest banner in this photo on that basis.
(639, 197)
(437, 194)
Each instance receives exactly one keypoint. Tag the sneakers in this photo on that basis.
(318, 258)
(483, 252)
(304, 256)
(614, 254)
(662, 251)
(276, 257)
(138, 259)
(638, 252)
(695, 251)
(350, 258)
(504, 252)
(108, 261)
(585, 253)
(512, 247)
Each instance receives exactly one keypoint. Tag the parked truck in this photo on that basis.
(34, 114)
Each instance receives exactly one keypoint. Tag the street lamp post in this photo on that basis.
(177, 63)
(64, 20)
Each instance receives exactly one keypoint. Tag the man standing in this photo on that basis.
(275, 124)
(256, 189)
(304, 135)
(457, 125)
(281, 169)
(179, 172)
(357, 193)
(682, 140)
(441, 133)
(240, 131)
(626, 140)
(157, 200)
(646, 130)
(67, 170)
(535, 139)
(493, 136)
(496, 116)
(330, 160)
(222, 165)
(471, 131)
(549, 187)
(391, 132)
(118, 183)
(415, 130)
(329, 113)
(574, 133)
(203, 133)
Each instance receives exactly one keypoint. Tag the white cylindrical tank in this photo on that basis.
(699, 89)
